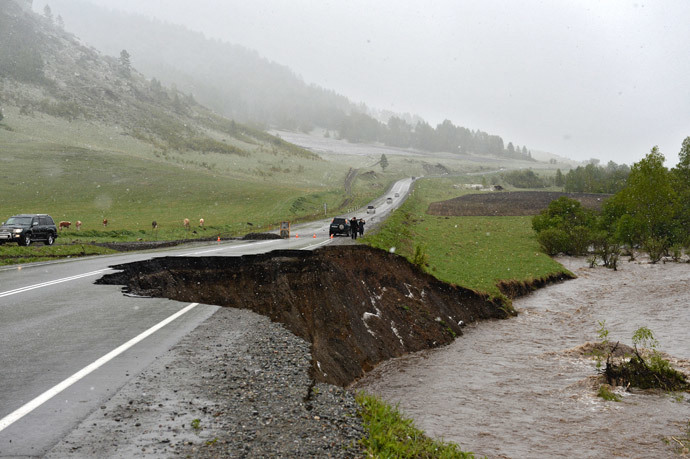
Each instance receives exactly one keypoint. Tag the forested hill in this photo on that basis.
(45, 71)
(240, 84)
(230, 79)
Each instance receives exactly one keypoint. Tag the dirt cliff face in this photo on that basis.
(356, 305)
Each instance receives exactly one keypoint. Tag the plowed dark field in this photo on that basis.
(509, 203)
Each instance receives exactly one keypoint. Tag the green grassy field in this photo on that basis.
(474, 252)
(75, 184)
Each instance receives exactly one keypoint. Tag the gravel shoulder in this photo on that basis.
(245, 379)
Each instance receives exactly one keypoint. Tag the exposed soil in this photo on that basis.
(509, 203)
(356, 305)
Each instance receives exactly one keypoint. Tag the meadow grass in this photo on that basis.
(474, 252)
(389, 434)
(75, 184)
(12, 254)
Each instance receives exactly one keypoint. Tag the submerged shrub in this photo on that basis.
(644, 369)
(655, 248)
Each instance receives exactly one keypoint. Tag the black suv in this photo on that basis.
(26, 228)
(339, 226)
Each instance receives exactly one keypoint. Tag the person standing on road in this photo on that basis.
(361, 227)
(354, 227)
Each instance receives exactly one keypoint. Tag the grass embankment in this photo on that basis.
(474, 252)
(391, 435)
(12, 254)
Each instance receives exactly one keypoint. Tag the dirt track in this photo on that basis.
(509, 203)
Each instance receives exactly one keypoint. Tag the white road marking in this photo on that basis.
(52, 392)
(53, 282)
(243, 246)
(327, 241)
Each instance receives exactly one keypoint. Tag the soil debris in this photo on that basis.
(355, 305)
(509, 203)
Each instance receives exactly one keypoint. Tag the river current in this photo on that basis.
(523, 388)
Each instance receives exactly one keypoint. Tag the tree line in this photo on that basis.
(446, 137)
(651, 212)
(593, 178)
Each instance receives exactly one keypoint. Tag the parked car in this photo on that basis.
(389, 201)
(371, 209)
(26, 228)
(339, 226)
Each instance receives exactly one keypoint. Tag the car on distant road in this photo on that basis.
(389, 201)
(397, 195)
(371, 209)
(339, 226)
(26, 228)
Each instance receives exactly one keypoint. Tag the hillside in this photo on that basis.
(85, 135)
(230, 79)
(51, 72)
(237, 82)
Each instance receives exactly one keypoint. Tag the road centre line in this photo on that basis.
(53, 282)
(218, 249)
(327, 241)
(50, 393)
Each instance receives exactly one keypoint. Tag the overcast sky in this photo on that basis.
(607, 79)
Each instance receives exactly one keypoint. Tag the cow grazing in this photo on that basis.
(105, 222)
(78, 225)
(185, 222)
(154, 224)
(62, 225)
(201, 223)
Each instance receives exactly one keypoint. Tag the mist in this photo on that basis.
(582, 79)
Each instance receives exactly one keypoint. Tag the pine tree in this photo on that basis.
(125, 63)
(48, 13)
(383, 162)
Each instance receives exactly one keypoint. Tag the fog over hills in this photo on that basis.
(47, 71)
(579, 78)
(238, 83)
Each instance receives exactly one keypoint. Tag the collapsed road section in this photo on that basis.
(355, 305)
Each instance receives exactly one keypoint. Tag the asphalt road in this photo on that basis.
(67, 345)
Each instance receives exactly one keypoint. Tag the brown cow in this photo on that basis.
(64, 225)
(201, 222)
(105, 222)
(185, 222)
(78, 225)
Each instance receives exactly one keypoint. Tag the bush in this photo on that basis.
(579, 241)
(655, 248)
(648, 370)
(607, 250)
(524, 179)
(421, 258)
(554, 241)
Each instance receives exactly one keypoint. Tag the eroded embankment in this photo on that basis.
(356, 305)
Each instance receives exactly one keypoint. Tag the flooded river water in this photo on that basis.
(521, 388)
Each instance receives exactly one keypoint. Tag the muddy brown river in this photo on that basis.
(519, 388)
